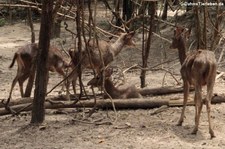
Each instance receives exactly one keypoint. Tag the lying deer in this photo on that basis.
(198, 69)
(115, 93)
(25, 58)
(108, 50)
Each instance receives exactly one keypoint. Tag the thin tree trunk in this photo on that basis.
(117, 10)
(145, 52)
(30, 21)
(217, 28)
(38, 110)
(127, 9)
(31, 76)
(165, 9)
(205, 26)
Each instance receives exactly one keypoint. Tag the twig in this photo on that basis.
(7, 107)
(95, 123)
(220, 75)
(22, 109)
(161, 109)
(167, 71)
(133, 66)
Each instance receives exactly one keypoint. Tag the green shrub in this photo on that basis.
(2, 22)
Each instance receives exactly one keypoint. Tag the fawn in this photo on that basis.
(115, 93)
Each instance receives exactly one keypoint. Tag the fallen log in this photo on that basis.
(179, 102)
(145, 103)
(143, 92)
(135, 103)
(162, 91)
(30, 100)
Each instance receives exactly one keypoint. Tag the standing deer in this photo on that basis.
(198, 69)
(115, 93)
(108, 50)
(25, 58)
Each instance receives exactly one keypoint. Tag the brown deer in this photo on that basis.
(198, 69)
(25, 57)
(108, 50)
(115, 93)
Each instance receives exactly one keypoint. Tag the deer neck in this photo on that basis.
(111, 89)
(182, 51)
(117, 46)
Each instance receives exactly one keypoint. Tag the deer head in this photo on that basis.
(181, 35)
(98, 80)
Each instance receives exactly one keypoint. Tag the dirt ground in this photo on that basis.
(130, 129)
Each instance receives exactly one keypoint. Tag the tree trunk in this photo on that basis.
(127, 9)
(217, 27)
(56, 29)
(165, 9)
(199, 27)
(145, 51)
(117, 11)
(38, 110)
(30, 22)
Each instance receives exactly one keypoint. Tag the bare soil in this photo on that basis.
(129, 129)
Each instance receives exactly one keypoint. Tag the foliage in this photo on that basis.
(2, 22)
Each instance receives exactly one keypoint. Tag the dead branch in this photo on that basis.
(19, 5)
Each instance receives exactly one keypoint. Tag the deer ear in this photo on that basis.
(108, 72)
(71, 52)
(187, 33)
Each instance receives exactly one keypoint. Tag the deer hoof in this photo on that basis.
(194, 132)
(179, 123)
(212, 134)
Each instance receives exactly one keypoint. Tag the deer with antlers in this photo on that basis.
(109, 51)
(25, 57)
(198, 69)
(114, 93)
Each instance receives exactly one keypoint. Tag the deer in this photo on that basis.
(114, 93)
(198, 69)
(108, 50)
(25, 57)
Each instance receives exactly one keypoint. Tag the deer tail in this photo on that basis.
(13, 61)
(19, 60)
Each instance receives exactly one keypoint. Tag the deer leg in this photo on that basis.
(186, 93)
(74, 86)
(72, 80)
(21, 87)
(29, 84)
(12, 86)
(198, 106)
(208, 104)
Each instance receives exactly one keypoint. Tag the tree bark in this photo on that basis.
(38, 110)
